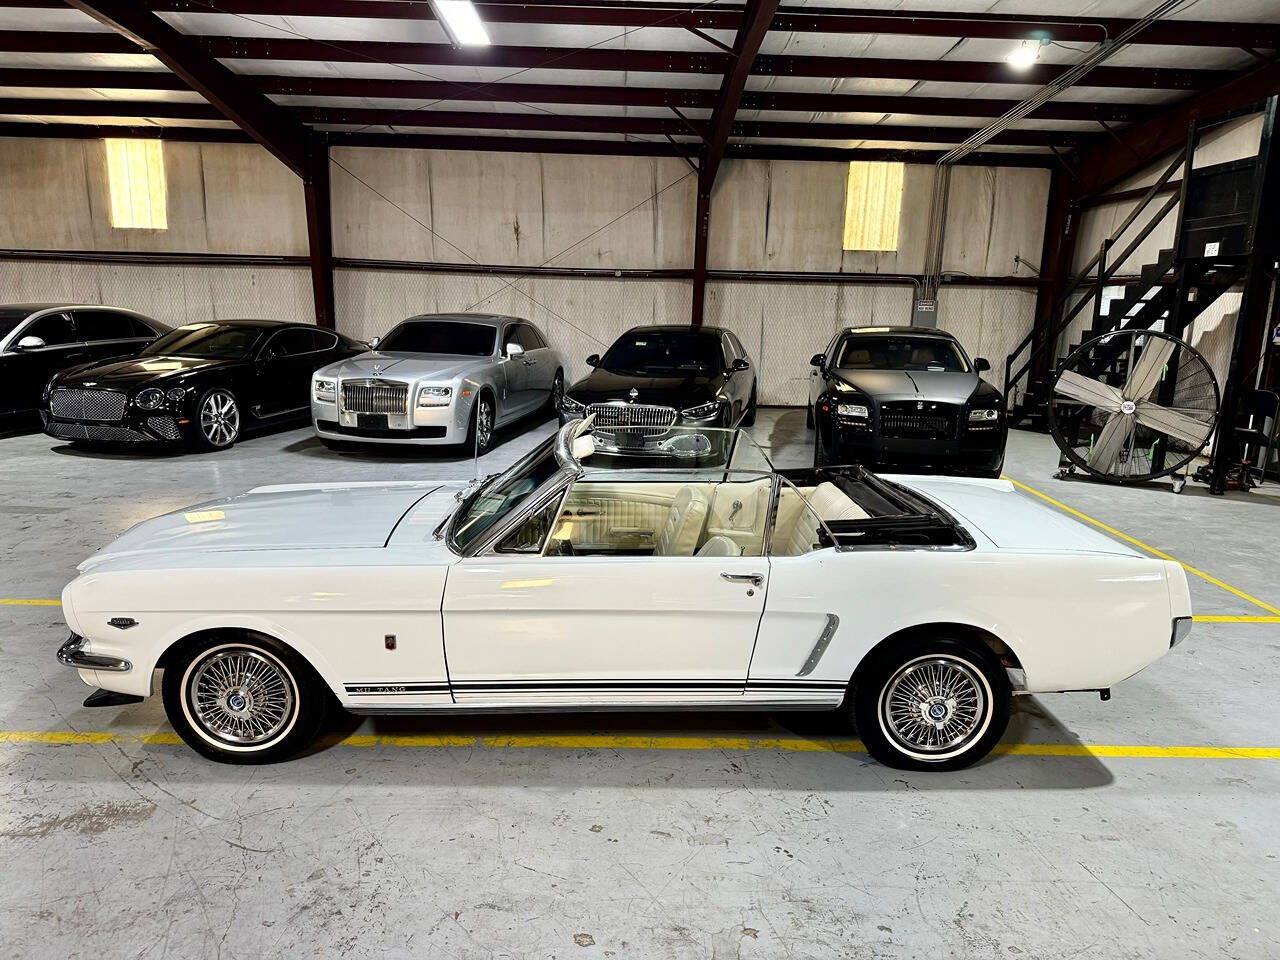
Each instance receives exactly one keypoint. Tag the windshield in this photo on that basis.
(501, 495)
(665, 353)
(441, 336)
(205, 340)
(863, 352)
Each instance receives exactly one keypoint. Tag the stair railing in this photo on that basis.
(1086, 274)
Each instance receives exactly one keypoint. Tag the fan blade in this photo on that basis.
(1146, 373)
(1087, 390)
(1173, 424)
(1110, 442)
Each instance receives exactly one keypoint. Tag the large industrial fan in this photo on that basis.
(1133, 405)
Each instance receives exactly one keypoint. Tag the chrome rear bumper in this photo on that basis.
(72, 654)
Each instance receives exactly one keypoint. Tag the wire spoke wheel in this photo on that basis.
(241, 696)
(1133, 405)
(219, 419)
(934, 705)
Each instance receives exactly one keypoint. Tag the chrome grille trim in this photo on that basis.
(375, 396)
(633, 420)
(78, 403)
(907, 420)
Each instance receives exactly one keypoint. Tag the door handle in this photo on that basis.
(755, 579)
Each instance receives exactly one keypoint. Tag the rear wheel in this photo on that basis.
(243, 699)
(808, 416)
(932, 704)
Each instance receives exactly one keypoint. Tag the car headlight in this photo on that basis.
(702, 411)
(152, 398)
(434, 396)
(572, 407)
(984, 418)
(325, 390)
(853, 410)
(176, 393)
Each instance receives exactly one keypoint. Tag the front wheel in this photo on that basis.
(749, 418)
(557, 392)
(243, 700)
(932, 704)
(217, 420)
(480, 433)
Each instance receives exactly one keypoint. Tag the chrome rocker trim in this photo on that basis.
(71, 654)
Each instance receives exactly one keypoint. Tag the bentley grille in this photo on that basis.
(909, 420)
(632, 420)
(75, 403)
(375, 396)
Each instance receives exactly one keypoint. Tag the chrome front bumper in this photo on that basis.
(72, 654)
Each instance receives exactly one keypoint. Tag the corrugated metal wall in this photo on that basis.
(525, 210)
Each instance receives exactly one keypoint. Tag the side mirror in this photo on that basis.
(817, 360)
(373, 342)
(29, 343)
(981, 364)
(593, 360)
(514, 350)
(738, 365)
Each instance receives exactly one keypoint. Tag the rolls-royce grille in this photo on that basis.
(916, 420)
(375, 396)
(632, 420)
(75, 403)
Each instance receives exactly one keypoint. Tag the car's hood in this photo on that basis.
(996, 511)
(136, 370)
(400, 366)
(290, 517)
(601, 385)
(933, 385)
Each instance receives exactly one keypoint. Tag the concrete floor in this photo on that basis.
(132, 849)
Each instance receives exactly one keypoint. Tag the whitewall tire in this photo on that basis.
(243, 699)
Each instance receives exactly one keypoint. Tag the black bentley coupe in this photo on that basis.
(654, 378)
(203, 384)
(907, 399)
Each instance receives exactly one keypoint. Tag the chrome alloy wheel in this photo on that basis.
(220, 419)
(935, 706)
(557, 392)
(484, 424)
(240, 697)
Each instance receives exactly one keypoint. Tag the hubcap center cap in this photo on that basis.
(1127, 407)
(238, 701)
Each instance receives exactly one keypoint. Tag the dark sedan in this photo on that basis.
(38, 340)
(203, 384)
(654, 378)
(907, 399)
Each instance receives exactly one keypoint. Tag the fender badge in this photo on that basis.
(122, 623)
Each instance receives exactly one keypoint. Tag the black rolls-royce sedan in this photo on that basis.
(203, 384)
(654, 378)
(38, 340)
(905, 399)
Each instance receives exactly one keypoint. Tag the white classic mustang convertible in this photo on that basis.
(702, 578)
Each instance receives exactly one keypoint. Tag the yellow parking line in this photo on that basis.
(1145, 546)
(29, 602)
(644, 742)
(1215, 618)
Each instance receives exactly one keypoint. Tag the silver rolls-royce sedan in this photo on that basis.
(442, 378)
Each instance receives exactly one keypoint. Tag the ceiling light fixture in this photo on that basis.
(1024, 55)
(462, 22)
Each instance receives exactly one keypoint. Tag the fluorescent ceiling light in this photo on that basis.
(1024, 55)
(462, 22)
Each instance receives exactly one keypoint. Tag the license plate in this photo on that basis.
(371, 421)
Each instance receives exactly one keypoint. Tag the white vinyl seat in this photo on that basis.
(686, 518)
(720, 546)
(830, 503)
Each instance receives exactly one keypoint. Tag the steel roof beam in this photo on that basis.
(652, 61)
(918, 23)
